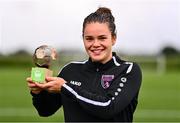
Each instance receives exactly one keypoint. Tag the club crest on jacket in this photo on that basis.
(106, 80)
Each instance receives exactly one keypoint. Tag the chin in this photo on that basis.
(96, 59)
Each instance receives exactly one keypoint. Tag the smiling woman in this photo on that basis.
(99, 35)
(103, 88)
(98, 42)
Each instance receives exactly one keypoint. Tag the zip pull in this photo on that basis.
(97, 69)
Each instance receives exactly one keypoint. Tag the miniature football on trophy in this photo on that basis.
(43, 57)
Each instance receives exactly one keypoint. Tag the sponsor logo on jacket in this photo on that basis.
(75, 83)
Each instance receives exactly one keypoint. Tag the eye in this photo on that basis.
(102, 38)
(89, 38)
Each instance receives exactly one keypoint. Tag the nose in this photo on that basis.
(96, 43)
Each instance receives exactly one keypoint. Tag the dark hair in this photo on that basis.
(101, 15)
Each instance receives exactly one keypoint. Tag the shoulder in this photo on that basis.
(131, 66)
(72, 65)
(132, 71)
(128, 66)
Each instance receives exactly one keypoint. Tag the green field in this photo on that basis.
(159, 98)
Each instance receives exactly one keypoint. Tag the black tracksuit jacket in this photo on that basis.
(94, 92)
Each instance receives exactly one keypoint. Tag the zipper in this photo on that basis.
(96, 81)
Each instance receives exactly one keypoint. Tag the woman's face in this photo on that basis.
(98, 42)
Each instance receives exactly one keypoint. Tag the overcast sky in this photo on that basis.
(143, 26)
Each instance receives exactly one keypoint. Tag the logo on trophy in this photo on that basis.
(43, 57)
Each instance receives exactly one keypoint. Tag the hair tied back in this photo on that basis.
(103, 10)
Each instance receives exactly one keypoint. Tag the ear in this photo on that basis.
(113, 40)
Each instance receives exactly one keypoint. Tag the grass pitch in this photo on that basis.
(159, 98)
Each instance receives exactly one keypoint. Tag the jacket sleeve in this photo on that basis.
(46, 103)
(120, 94)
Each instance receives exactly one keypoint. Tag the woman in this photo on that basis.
(103, 88)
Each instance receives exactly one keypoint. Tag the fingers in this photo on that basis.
(59, 79)
(43, 85)
(35, 90)
(50, 87)
(51, 79)
(52, 84)
(32, 86)
(29, 79)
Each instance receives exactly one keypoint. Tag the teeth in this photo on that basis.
(97, 51)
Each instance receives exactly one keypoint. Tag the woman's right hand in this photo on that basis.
(33, 87)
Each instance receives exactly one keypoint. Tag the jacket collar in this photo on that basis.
(96, 66)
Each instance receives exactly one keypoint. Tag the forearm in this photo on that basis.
(46, 103)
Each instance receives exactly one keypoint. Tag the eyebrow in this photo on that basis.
(102, 36)
(98, 36)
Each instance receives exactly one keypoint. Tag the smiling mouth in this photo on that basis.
(97, 51)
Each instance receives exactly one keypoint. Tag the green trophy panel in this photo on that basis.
(38, 74)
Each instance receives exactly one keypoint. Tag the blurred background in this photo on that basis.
(148, 33)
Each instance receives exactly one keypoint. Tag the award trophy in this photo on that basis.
(42, 58)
